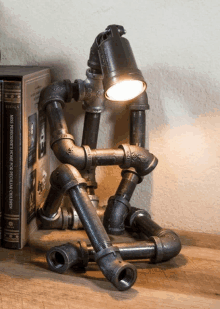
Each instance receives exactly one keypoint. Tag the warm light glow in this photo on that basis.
(126, 90)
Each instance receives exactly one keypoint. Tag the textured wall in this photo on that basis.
(176, 45)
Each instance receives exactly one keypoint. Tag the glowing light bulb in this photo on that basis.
(125, 90)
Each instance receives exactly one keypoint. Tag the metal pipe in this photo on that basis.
(166, 241)
(102, 157)
(52, 202)
(79, 254)
(89, 218)
(63, 146)
(90, 137)
(118, 205)
(121, 274)
(137, 127)
(91, 129)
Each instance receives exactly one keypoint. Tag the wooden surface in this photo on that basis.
(190, 280)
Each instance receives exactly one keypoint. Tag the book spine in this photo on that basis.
(12, 141)
(1, 162)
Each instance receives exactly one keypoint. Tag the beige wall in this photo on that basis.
(176, 45)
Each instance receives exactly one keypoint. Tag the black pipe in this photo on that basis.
(118, 205)
(52, 202)
(91, 129)
(166, 241)
(79, 254)
(65, 217)
(137, 127)
(90, 137)
(62, 143)
(122, 275)
(63, 146)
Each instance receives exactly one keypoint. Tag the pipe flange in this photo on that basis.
(159, 249)
(127, 156)
(61, 136)
(100, 254)
(88, 155)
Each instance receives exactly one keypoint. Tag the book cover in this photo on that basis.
(25, 151)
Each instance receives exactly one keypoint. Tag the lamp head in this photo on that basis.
(122, 80)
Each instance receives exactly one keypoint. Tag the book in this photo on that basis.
(26, 150)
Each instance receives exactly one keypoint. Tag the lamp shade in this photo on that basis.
(122, 79)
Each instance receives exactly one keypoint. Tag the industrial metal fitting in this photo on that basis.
(65, 217)
(115, 214)
(141, 159)
(167, 242)
(79, 254)
(111, 61)
(118, 205)
(60, 220)
(91, 92)
(61, 258)
(140, 103)
(67, 179)
(121, 274)
(54, 214)
(60, 91)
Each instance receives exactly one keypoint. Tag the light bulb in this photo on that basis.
(125, 90)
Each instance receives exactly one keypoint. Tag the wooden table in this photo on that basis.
(190, 280)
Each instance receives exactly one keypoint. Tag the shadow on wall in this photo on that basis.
(178, 96)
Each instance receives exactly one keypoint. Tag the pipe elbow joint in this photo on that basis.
(60, 91)
(61, 258)
(67, 152)
(167, 245)
(120, 273)
(140, 158)
(115, 214)
(65, 177)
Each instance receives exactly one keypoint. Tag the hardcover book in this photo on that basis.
(26, 150)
